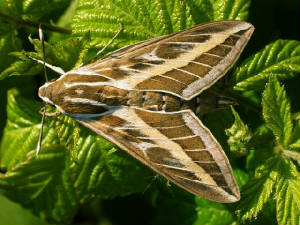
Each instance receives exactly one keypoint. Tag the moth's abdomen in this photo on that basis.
(149, 100)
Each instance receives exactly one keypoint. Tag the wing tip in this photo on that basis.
(226, 198)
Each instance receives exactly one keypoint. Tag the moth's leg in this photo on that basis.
(54, 114)
(104, 48)
(39, 144)
(44, 114)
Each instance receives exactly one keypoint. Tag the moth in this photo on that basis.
(143, 97)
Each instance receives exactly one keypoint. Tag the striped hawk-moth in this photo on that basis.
(143, 97)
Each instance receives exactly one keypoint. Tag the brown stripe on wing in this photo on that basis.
(160, 119)
(115, 73)
(69, 78)
(177, 172)
(158, 82)
(210, 167)
(192, 38)
(241, 32)
(214, 27)
(209, 60)
(160, 155)
(181, 75)
(219, 179)
(173, 50)
(112, 121)
(176, 132)
(191, 143)
(200, 155)
(220, 50)
(231, 40)
(197, 69)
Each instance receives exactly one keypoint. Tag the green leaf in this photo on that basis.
(141, 19)
(38, 185)
(34, 182)
(277, 178)
(259, 189)
(20, 216)
(288, 196)
(201, 10)
(64, 21)
(262, 137)
(22, 130)
(100, 169)
(239, 135)
(68, 53)
(241, 177)
(11, 7)
(182, 208)
(295, 138)
(32, 9)
(8, 43)
(151, 18)
(277, 111)
(224, 118)
(35, 9)
(212, 213)
(231, 9)
(280, 59)
(22, 67)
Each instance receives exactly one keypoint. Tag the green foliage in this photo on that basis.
(280, 58)
(239, 135)
(277, 112)
(32, 9)
(24, 217)
(277, 177)
(209, 213)
(76, 166)
(68, 53)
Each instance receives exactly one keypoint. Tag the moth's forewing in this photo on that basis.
(183, 64)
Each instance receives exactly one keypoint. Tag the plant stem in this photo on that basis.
(36, 25)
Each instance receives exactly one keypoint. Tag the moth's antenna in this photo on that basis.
(109, 43)
(41, 36)
(105, 47)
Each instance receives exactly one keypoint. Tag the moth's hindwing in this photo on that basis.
(176, 145)
(183, 63)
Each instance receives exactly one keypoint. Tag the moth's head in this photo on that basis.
(45, 92)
